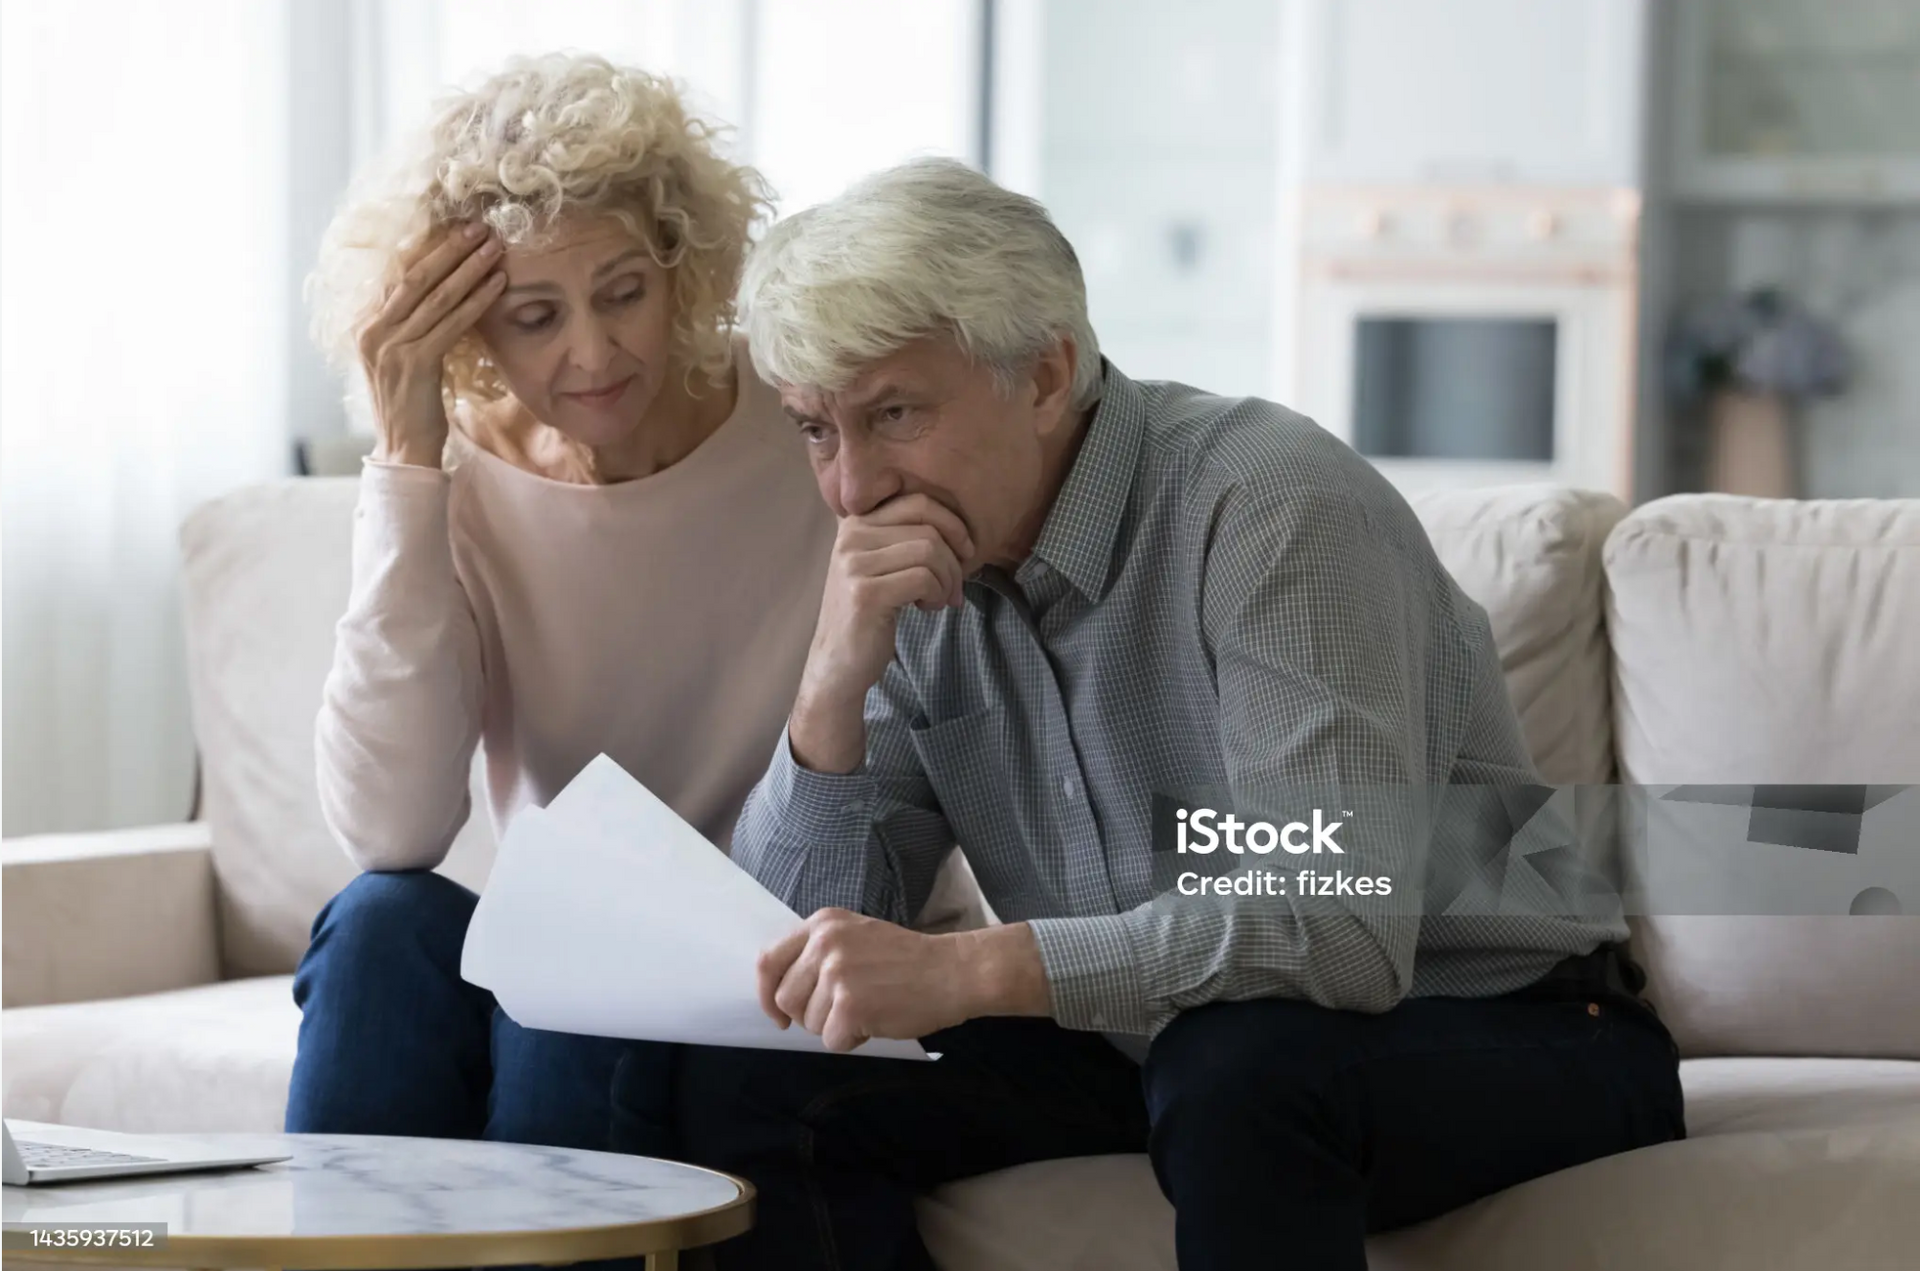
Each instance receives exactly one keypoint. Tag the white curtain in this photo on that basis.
(143, 345)
(819, 91)
(407, 52)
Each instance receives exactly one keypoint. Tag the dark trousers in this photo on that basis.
(1282, 1132)
(393, 1041)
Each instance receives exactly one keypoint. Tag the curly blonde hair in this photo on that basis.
(548, 136)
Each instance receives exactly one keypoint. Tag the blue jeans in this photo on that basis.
(393, 1041)
(1283, 1132)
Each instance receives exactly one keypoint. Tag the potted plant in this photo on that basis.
(1749, 359)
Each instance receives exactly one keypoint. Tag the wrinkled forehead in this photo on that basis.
(920, 370)
(867, 393)
(800, 399)
(574, 239)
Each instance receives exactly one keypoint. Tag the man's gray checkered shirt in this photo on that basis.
(1224, 598)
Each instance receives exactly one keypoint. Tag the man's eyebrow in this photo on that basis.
(882, 395)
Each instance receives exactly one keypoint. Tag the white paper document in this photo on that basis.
(608, 915)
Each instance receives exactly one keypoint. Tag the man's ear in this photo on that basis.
(1053, 384)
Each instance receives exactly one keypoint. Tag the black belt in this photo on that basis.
(1606, 974)
(1606, 971)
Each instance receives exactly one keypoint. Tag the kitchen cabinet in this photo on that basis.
(1471, 92)
(1797, 101)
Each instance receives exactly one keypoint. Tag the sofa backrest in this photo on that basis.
(1776, 642)
(1530, 556)
(265, 576)
(1727, 641)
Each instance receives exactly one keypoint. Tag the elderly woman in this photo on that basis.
(586, 526)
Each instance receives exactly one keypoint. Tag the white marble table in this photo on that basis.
(350, 1201)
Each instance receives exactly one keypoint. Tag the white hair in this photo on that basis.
(927, 248)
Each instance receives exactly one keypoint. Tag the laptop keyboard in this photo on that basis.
(50, 1156)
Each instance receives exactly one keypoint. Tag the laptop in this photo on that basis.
(68, 1153)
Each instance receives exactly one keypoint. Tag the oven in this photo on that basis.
(1459, 338)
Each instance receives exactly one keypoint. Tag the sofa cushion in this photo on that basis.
(1530, 556)
(1740, 1096)
(1790, 1163)
(108, 914)
(1766, 640)
(265, 577)
(213, 1058)
(1784, 984)
(1772, 642)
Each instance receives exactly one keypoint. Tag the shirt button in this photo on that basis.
(1066, 786)
(852, 806)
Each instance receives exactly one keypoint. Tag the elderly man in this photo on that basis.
(1062, 602)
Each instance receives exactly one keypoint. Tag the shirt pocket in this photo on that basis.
(970, 763)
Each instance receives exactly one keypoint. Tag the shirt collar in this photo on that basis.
(1079, 534)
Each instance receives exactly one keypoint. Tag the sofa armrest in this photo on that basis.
(112, 914)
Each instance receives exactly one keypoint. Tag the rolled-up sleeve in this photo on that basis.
(871, 840)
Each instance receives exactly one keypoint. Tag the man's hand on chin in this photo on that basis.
(848, 978)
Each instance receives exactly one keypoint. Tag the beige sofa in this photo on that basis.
(1699, 639)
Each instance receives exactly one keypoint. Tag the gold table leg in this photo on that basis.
(667, 1261)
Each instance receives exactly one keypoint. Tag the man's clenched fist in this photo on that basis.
(911, 550)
